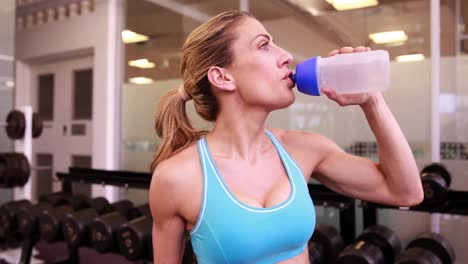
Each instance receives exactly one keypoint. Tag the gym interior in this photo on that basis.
(79, 85)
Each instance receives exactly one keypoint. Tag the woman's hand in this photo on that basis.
(347, 99)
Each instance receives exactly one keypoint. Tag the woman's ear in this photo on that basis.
(221, 79)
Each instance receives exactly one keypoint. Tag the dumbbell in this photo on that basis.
(28, 217)
(134, 237)
(50, 219)
(325, 244)
(15, 125)
(104, 228)
(376, 245)
(8, 214)
(428, 248)
(14, 170)
(76, 224)
(8, 227)
(435, 181)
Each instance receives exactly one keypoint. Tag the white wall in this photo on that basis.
(96, 33)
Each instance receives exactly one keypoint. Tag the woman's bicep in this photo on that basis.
(168, 225)
(354, 176)
(168, 240)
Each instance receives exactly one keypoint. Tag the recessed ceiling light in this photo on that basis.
(410, 57)
(133, 37)
(342, 5)
(141, 63)
(388, 37)
(140, 80)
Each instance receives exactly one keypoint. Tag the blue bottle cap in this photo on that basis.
(306, 77)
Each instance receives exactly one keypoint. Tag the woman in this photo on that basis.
(240, 190)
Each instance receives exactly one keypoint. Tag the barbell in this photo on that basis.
(15, 125)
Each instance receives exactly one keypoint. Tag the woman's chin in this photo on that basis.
(286, 102)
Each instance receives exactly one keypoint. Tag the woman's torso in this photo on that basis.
(265, 185)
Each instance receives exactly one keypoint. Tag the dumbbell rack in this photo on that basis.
(24, 146)
(456, 204)
(89, 176)
(93, 176)
(29, 242)
(321, 195)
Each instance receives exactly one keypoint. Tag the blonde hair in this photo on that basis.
(206, 46)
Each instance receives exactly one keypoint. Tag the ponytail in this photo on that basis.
(207, 45)
(173, 127)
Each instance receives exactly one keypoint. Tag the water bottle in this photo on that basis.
(359, 72)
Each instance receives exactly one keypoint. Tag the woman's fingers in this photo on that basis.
(346, 50)
(333, 52)
(359, 49)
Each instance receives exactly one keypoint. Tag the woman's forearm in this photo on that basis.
(395, 156)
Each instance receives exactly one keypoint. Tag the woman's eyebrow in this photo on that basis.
(263, 35)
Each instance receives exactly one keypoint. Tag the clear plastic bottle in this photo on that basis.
(359, 72)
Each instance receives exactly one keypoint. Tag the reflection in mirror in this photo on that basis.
(156, 31)
(305, 29)
(7, 83)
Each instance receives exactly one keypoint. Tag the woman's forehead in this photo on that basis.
(250, 29)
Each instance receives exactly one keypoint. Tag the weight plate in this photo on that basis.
(16, 124)
(37, 125)
(438, 168)
(435, 188)
(361, 252)
(384, 238)
(14, 170)
(437, 244)
(331, 241)
(417, 256)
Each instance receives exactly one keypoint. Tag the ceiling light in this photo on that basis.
(410, 57)
(388, 37)
(140, 80)
(342, 5)
(141, 63)
(133, 37)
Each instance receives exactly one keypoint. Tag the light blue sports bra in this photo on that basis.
(230, 231)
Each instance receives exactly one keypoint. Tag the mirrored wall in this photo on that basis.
(7, 36)
(312, 28)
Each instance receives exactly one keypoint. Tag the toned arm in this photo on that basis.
(168, 225)
(394, 180)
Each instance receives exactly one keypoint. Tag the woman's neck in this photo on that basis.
(239, 135)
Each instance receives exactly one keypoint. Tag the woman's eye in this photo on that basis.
(265, 46)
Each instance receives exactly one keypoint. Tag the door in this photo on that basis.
(62, 95)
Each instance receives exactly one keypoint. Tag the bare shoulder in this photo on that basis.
(174, 177)
(295, 139)
(308, 149)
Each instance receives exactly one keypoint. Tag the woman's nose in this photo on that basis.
(286, 58)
